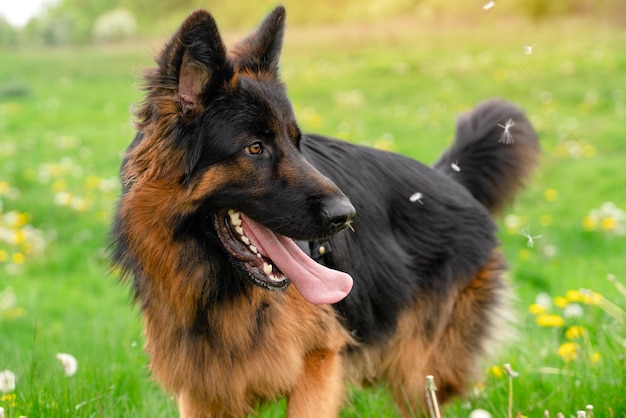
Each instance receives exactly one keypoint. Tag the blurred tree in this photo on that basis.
(9, 36)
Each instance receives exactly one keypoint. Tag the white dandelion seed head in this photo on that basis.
(509, 370)
(7, 381)
(489, 5)
(416, 197)
(573, 310)
(544, 300)
(480, 413)
(69, 363)
(1, 412)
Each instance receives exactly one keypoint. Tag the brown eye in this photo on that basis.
(255, 149)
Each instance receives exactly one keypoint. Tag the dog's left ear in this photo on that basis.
(260, 51)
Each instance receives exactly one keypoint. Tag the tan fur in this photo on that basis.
(440, 337)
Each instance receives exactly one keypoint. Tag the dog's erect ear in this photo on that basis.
(260, 51)
(196, 59)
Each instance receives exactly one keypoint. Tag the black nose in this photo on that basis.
(337, 212)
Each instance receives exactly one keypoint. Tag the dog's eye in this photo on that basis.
(255, 149)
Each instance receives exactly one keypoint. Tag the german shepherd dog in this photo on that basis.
(271, 263)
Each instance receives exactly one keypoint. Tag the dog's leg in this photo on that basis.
(320, 390)
(460, 330)
(186, 407)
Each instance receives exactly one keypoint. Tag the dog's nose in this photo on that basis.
(337, 212)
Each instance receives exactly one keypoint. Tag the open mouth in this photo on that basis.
(273, 261)
(239, 240)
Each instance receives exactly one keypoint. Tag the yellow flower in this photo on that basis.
(92, 182)
(59, 186)
(561, 302)
(608, 223)
(545, 220)
(574, 296)
(574, 332)
(536, 309)
(551, 195)
(18, 258)
(591, 298)
(596, 357)
(496, 371)
(4, 187)
(9, 399)
(589, 150)
(4, 256)
(568, 351)
(590, 223)
(546, 320)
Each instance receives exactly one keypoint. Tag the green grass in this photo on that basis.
(64, 122)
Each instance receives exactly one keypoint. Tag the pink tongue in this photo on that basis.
(316, 283)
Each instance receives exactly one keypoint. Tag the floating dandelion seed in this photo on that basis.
(416, 197)
(455, 166)
(69, 363)
(528, 49)
(507, 137)
(489, 5)
(525, 232)
(7, 381)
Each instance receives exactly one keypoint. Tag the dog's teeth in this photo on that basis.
(235, 218)
(239, 230)
(253, 249)
(267, 268)
(245, 240)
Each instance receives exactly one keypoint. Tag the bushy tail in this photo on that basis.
(493, 154)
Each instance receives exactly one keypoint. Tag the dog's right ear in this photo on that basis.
(195, 60)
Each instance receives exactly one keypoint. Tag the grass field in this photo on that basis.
(64, 123)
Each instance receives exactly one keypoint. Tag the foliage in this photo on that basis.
(117, 25)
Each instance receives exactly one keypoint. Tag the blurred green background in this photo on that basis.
(388, 74)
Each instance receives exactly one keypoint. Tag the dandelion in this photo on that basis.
(536, 309)
(511, 374)
(551, 195)
(544, 300)
(525, 232)
(574, 332)
(489, 5)
(590, 223)
(7, 381)
(561, 302)
(595, 357)
(507, 137)
(416, 197)
(574, 295)
(573, 310)
(69, 363)
(455, 166)
(568, 351)
(431, 397)
(548, 320)
(9, 400)
(497, 371)
(480, 413)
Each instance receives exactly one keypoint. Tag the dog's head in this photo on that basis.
(218, 155)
